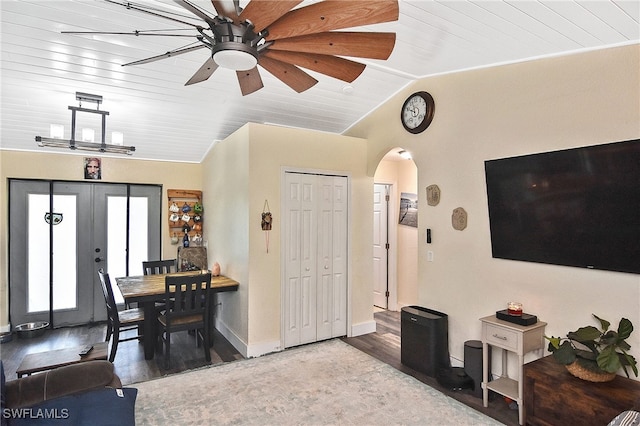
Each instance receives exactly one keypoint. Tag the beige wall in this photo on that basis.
(252, 160)
(550, 104)
(226, 213)
(407, 240)
(34, 165)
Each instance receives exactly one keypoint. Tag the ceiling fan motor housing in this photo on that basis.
(235, 46)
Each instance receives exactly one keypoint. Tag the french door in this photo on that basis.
(61, 233)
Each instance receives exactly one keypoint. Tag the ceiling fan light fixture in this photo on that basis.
(237, 60)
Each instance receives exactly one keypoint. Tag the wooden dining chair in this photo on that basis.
(187, 312)
(153, 267)
(119, 321)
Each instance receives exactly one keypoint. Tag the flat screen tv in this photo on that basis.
(576, 207)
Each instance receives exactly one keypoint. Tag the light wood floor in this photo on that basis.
(131, 366)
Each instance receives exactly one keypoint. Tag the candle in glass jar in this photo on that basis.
(514, 308)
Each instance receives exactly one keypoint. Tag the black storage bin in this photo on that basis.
(424, 338)
(473, 364)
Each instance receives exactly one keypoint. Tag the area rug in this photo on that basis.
(326, 383)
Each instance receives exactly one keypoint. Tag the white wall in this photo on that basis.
(550, 104)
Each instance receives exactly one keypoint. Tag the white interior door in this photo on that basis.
(315, 246)
(380, 245)
(300, 267)
(332, 258)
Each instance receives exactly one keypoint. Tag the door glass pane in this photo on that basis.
(138, 234)
(117, 234)
(38, 255)
(64, 253)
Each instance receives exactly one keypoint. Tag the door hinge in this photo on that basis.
(386, 246)
(386, 294)
(386, 197)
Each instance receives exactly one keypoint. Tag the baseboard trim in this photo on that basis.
(363, 328)
(260, 349)
(5, 328)
(252, 351)
(231, 337)
(247, 351)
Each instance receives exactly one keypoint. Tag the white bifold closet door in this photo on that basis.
(315, 245)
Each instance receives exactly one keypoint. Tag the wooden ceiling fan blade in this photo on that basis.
(204, 72)
(262, 13)
(226, 8)
(289, 74)
(332, 15)
(340, 68)
(166, 55)
(250, 81)
(358, 44)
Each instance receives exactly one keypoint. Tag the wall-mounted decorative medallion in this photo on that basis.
(459, 219)
(433, 195)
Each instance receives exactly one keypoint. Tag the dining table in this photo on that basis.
(146, 290)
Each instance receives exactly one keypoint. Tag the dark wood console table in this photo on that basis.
(552, 396)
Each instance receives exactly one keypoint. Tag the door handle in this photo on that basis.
(99, 259)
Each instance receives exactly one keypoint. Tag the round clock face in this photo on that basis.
(417, 112)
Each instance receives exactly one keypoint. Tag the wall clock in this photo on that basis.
(417, 112)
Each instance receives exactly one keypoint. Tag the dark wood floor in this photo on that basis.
(131, 366)
(384, 345)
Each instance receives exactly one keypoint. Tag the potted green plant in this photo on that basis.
(595, 354)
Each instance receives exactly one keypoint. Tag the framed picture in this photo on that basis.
(92, 168)
(408, 209)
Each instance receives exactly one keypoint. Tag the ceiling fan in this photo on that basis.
(279, 38)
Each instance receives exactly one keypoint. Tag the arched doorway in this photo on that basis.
(395, 232)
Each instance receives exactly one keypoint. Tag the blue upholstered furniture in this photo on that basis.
(88, 393)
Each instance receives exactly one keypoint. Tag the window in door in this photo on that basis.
(63, 248)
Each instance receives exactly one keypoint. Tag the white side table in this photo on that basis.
(508, 336)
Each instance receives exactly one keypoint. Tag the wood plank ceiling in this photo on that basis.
(42, 69)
